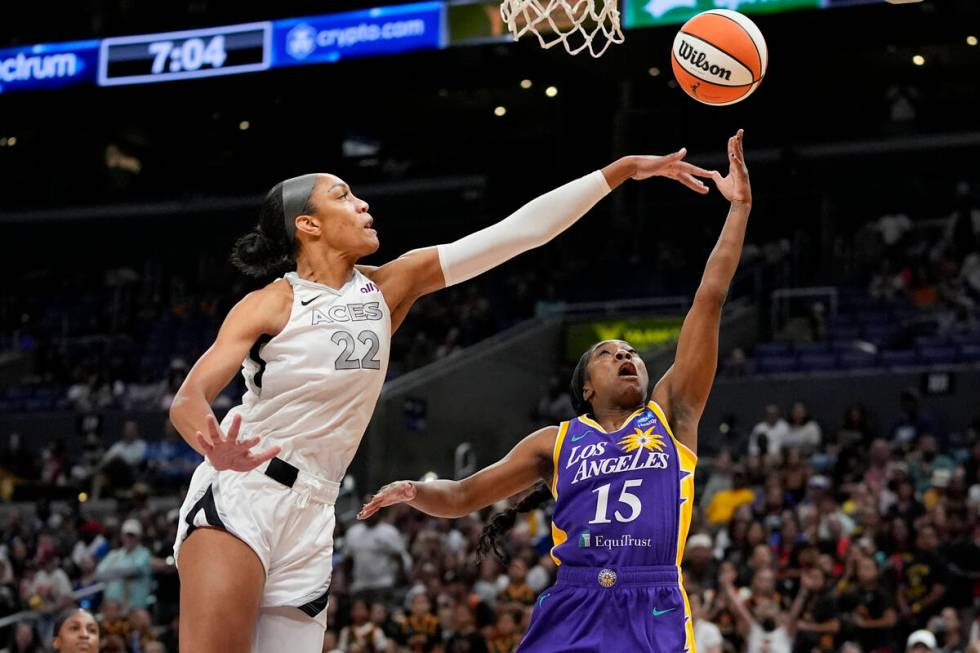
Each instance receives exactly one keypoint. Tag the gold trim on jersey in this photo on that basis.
(688, 463)
(559, 537)
(556, 454)
(585, 419)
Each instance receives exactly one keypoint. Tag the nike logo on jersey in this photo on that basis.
(657, 613)
(578, 436)
(543, 597)
(310, 300)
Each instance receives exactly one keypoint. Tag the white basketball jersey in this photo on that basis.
(313, 387)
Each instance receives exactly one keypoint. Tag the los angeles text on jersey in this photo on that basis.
(349, 313)
(586, 458)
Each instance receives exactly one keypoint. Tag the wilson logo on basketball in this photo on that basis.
(700, 60)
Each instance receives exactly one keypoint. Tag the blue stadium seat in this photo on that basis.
(772, 349)
(937, 355)
(857, 360)
(898, 358)
(817, 362)
(878, 333)
(930, 341)
(965, 339)
(845, 333)
(969, 353)
(776, 364)
(811, 347)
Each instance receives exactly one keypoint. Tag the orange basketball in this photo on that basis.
(719, 57)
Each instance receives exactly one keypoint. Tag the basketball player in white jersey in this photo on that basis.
(255, 537)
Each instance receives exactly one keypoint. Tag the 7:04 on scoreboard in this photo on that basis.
(184, 55)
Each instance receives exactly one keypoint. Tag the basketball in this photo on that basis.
(719, 57)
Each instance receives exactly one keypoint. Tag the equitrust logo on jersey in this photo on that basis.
(587, 540)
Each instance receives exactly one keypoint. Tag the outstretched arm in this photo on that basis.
(426, 270)
(527, 463)
(683, 390)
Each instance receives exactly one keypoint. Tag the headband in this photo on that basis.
(295, 195)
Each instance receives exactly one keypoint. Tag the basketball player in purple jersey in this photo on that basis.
(622, 475)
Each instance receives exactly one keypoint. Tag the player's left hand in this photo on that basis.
(673, 167)
(735, 186)
(389, 495)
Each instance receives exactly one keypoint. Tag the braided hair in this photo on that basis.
(502, 522)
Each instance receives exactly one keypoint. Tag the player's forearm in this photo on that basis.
(723, 261)
(831, 627)
(440, 498)
(188, 413)
(532, 225)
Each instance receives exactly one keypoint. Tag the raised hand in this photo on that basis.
(389, 495)
(735, 186)
(227, 452)
(672, 166)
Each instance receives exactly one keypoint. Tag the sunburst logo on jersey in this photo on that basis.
(642, 440)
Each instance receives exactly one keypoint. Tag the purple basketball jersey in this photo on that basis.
(623, 504)
(622, 498)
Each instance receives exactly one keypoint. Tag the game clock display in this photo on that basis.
(184, 55)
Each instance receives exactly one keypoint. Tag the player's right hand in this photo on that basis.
(227, 452)
(389, 495)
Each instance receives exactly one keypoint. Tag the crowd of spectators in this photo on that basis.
(811, 538)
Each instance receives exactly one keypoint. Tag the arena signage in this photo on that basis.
(51, 65)
(648, 13)
(643, 333)
(371, 32)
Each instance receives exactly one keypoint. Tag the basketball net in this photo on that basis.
(576, 24)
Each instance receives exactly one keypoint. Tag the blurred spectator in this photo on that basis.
(23, 639)
(556, 405)
(867, 610)
(707, 636)
(112, 621)
(379, 556)
(913, 422)
(700, 567)
(17, 460)
(949, 627)
(140, 630)
(921, 641)
(768, 435)
(48, 591)
(922, 578)
(517, 594)
(381, 618)
(802, 431)
(171, 461)
(724, 503)
(126, 570)
(925, 460)
(765, 627)
(361, 635)
(123, 459)
(465, 638)
(737, 365)
(421, 631)
(506, 635)
(818, 625)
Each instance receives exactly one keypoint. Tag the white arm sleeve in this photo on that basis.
(532, 225)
